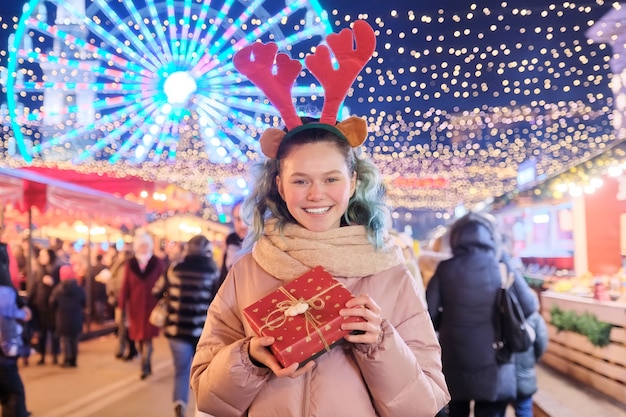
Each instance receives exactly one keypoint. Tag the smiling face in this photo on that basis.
(316, 185)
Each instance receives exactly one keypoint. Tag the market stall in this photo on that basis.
(570, 233)
(80, 231)
(53, 201)
(587, 340)
(182, 227)
(37, 202)
(154, 196)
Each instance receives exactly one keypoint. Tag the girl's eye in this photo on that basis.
(299, 181)
(332, 179)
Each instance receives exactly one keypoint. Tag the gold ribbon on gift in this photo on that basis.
(315, 303)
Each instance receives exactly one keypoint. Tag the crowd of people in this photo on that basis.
(53, 309)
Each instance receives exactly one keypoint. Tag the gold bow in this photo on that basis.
(316, 303)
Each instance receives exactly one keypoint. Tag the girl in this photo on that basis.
(315, 203)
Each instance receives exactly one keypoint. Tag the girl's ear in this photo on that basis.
(279, 186)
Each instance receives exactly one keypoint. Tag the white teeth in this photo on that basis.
(317, 210)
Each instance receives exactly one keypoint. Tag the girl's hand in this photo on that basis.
(47, 279)
(259, 352)
(363, 306)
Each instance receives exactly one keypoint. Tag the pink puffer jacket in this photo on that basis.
(401, 377)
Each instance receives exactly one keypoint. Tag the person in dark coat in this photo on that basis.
(141, 273)
(68, 301)
(12, 392)
(46, 278)
(525, 367)
(461, 301)
(189, 286)
(125, 348)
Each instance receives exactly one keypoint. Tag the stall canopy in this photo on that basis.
(155, 196)
(60, 201)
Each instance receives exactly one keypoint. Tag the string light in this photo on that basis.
(455, 100)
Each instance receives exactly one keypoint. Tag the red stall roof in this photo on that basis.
(60, 200)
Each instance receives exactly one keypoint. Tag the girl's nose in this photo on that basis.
(316, 192)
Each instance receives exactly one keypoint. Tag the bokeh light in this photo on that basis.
(457, 95)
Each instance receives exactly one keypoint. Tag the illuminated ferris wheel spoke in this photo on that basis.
(140, 46)
(114, 58)
(174, 139)
(227, 115)
(115, 134)
(164, 138)
(210, 61)
(130, 142)
(245, 104)
(225, 141)
(217, 22)
(105, 88)
(160, 31)
(230, 32)
(171, 18)
(70, 39)
(242, 136)
(185, 30)
(33, 56)
(106, 120)
(147, 34)
(197, 32)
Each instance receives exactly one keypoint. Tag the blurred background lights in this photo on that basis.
(457, 95)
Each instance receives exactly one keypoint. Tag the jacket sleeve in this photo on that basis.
(223, 379)
(124, 289)
(525, 295)
(433, 300)
(541, 332)
(404, 373)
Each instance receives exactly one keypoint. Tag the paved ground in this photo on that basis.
(103, 386)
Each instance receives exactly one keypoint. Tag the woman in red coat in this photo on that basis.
(142, 271)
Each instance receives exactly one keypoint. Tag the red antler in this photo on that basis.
(255, 62)
(336, 83)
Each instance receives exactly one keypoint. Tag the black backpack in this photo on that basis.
(513, 333)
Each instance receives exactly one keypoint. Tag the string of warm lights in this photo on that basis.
(455, 97)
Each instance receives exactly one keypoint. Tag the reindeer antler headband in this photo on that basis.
(255, 61)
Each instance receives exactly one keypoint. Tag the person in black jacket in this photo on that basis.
(68, 301)
(461, 301)
(46, 278)
(189, 286)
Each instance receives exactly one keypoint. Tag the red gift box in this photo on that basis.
(302, 316)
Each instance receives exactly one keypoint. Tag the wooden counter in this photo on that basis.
(603, 368)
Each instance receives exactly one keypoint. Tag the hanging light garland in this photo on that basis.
(456, 98)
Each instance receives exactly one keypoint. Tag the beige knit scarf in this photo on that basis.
(343, 252)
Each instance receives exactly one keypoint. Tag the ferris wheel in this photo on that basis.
(147, 80)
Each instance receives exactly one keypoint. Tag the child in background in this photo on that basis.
(68, 301)
(525, 367)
